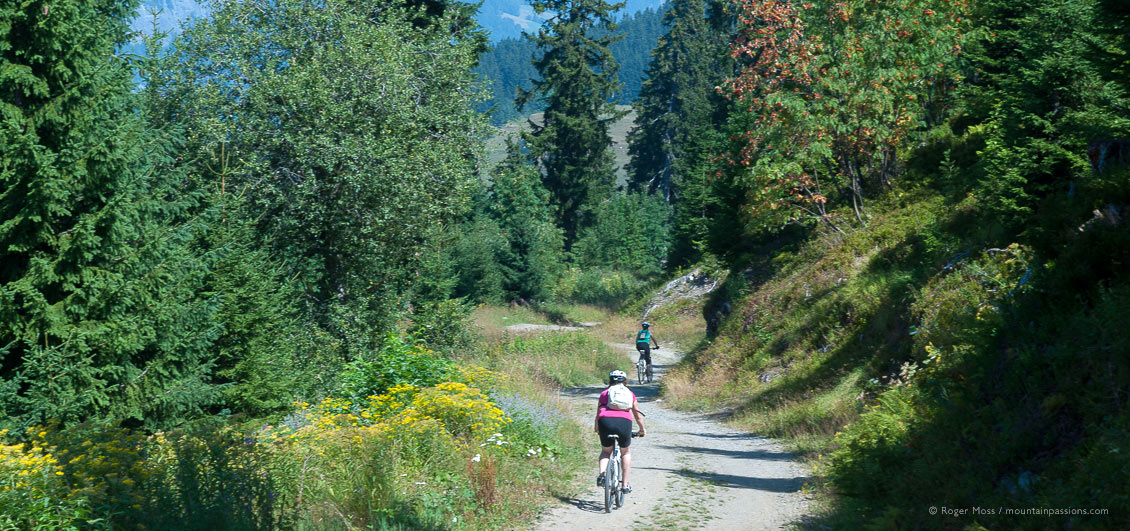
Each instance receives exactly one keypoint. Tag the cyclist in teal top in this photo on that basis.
(644, 339)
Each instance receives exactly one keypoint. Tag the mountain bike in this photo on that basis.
(641, 368)
(613, 490)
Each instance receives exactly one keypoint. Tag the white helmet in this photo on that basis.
(617, 376)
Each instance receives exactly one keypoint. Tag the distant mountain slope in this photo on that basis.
(168, 14)
(508, 65)
(496, 145)
(502, 18)
(507, 19)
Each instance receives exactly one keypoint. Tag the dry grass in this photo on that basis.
(707, 386)
(492, 320)
(617, 329)
(496, 145)
(484, 479)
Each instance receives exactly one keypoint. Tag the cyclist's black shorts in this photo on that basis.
(645, 350)
(607, 426)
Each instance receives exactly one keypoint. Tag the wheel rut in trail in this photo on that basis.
(688, 472)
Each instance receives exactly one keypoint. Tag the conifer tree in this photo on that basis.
(571, 144)
(680, 125)
(679, 104)
(99, 312)
(1029, 69)
(521, 207)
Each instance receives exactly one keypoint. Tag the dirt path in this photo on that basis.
(689, 472)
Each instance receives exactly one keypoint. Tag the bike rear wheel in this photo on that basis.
(610, 478)
(641, 371)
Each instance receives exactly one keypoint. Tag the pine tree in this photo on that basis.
(1041, 102)
(578, 82)
(521, 207)
(678, 103)
(100, 315)
(1112, 22)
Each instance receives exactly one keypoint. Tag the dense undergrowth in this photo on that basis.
(924, 362)
(415, 440)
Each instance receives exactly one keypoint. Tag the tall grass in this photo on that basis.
(554, 359)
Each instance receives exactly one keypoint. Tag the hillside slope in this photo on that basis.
(496, 145)
(918, 365)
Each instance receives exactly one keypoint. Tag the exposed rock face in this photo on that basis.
(693, 285)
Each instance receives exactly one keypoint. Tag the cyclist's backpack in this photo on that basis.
(619, 397)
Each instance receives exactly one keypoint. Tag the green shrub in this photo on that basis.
(598, 286)
(396, 363)
(444, 326)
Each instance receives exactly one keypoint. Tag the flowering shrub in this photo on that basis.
(33, 493)
(102, 464)
(464, 411)
(395, 459)
(532, 424)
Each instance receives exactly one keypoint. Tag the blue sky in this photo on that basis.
(503, 18)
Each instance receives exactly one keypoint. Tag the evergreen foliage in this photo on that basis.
(630, 233)
(578, 81)
(1040, 102)
(509, 64)
(100, 310)
(680, 126)
(510, 248)
(679, 106)
(521, 207)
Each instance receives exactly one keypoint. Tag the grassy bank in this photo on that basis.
(924, 362)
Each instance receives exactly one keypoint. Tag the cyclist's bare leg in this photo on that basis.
(605, 453)
(626, 462)
(648, 369)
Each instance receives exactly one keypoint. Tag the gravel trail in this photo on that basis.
(688, 472)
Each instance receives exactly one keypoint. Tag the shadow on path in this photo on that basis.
(584, 505)
(793, 484)
(763, 455)
(727, 436)
(645, 393)
(583, 391)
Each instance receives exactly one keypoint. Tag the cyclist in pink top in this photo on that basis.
(614, 421)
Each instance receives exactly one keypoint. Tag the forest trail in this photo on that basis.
(688, 472)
